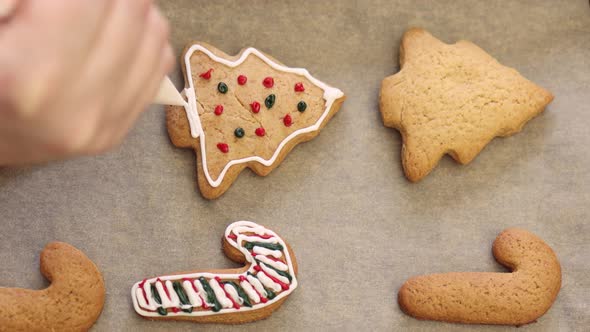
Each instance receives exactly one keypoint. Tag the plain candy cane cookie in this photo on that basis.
(453, 99)
(72, 302)
(230, 296)
(515, 298)
(247, 110)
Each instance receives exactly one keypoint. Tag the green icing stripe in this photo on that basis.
(210, 294)
(271, 246)
(281, 273)
(241, 293)
(155, 294)
(181, 294)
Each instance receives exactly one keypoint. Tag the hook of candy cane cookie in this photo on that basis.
(72, 302)
(515, 298)
(229, 296)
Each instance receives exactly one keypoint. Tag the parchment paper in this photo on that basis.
(358, 227)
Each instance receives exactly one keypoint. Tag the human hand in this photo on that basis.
(76, 74)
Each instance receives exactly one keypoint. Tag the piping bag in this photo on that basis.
(168, 95)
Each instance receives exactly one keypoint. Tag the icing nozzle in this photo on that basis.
(168, 95)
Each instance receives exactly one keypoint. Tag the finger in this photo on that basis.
(148, 60)
(113, 136)
(114, 52)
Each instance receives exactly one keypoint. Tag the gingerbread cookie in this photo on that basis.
(515, 298)
(244, 111)
(453, 99)
(72, 302)
(230, 296)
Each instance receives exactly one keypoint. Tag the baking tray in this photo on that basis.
(358, 227)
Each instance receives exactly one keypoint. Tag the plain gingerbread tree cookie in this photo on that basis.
(453, 99)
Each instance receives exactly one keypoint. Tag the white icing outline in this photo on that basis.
(239, 226)
(330, 95)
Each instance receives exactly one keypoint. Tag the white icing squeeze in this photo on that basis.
(330, 95)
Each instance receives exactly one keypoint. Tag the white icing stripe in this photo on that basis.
(202, 292)
(330, 95)
(274, 273)
(141, 300)
(267, 252)
(266, 281)
(173, 296)
(162, 293)
(276, 264)
(148, 293)
(250, 291)
(233, 292)
(220, 294)
(257, 285)
(256, 229)
(193, 297)
(251, 285)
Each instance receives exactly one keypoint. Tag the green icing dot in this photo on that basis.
(222, 87)
(239, 132)
(301, 106)
(162, 311)
(270, 101)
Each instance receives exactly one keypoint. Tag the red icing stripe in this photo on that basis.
(232, 236)
(263, 236)
(141, 284)
(165, 288)
(235, 304)
(284, 286)
(272, 258)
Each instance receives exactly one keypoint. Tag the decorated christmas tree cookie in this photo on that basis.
(245, 111)
(230, 296)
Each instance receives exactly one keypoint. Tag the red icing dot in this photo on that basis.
(242, 278)
(223, 147)
(218, 109)
(175, 310)
(255, 107)
(260, 131)
(206, 75)
(287, 120)
(242, 79)
(299, 87)
(268, 82)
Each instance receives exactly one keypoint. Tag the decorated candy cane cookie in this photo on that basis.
(229, 296)
(515, 298)
(72, 302)
(244, 111)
